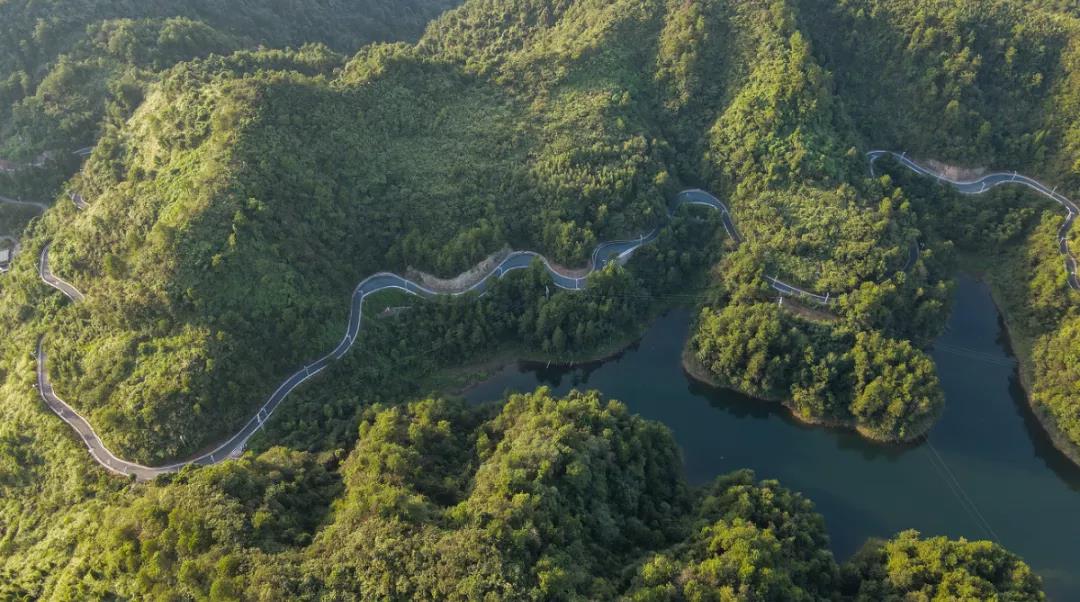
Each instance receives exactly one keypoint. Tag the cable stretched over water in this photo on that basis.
(968, 504)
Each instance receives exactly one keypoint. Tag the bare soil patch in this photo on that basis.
(955, 172)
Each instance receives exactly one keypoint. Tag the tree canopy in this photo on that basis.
(252, 163)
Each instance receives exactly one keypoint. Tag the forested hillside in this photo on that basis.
(981, 85)
(67, 67)
(542, 498)
(237, 193)
(442, 154)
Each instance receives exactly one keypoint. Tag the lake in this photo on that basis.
(988, 471)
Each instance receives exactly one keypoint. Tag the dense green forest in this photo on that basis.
(539, 498)
(252, 162)
(68, 68)
(981, 85)
(202, 195)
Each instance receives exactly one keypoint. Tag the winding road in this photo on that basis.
(619, 250)
(993, 180)
(47, 276)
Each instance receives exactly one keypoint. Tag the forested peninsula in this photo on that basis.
(248, 167)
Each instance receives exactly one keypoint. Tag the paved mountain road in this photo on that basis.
(605, 252)
(78, 200)
(991, 181)
(47, 276)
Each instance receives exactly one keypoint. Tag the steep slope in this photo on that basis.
(231, 216)
(980, 85)
(541, 498)
(69, 66)
(208, 218)
(232, 213)
(974, 82)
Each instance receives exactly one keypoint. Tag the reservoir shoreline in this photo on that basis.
(985, 463)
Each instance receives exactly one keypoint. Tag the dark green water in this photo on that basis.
(988, 472)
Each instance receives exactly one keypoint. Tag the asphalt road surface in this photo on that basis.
(78, 200)
(47, 276)
(991, 181)
(619, 250)
(605, 252)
